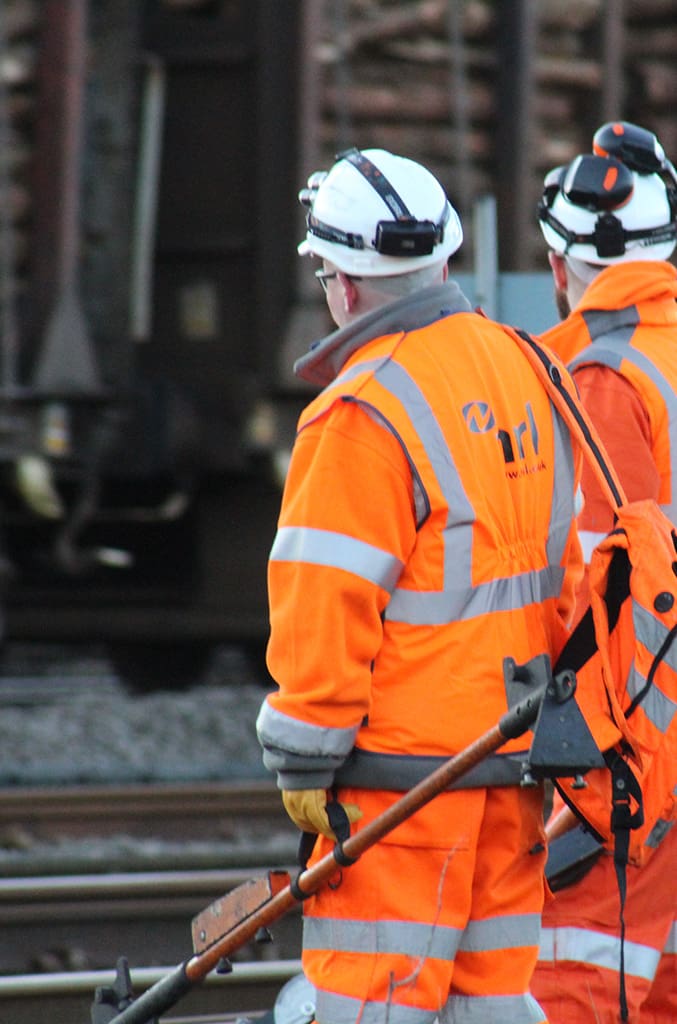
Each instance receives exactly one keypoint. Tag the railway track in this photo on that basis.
(85, 922)
(195, 810)
(66, 998)
(91, 828)
(91, 873)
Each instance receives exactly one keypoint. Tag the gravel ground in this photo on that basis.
(88, 728)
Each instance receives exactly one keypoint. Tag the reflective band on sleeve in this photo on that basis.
(279, 730)
(337, 551)
(580, 945)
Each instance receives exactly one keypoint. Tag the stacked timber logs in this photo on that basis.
(424, 78)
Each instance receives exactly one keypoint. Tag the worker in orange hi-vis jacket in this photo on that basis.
(610, 221)
(421, 580)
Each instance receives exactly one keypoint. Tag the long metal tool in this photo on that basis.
(229, 923)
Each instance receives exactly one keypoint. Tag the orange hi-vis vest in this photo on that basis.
(420, 647)
(627, 321)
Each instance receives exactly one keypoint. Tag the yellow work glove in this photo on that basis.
(307, 808)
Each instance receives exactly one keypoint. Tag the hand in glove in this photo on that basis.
(307, 808)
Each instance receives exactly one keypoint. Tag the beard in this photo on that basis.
(562, 303)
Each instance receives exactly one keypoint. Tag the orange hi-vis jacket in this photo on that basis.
(425, 538)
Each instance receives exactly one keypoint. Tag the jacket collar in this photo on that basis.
(325, 359)
(619, 289)
(627, 284)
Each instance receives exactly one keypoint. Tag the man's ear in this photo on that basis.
(559, 270)
(350, 292)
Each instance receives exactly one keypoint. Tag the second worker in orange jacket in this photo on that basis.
(619, 337)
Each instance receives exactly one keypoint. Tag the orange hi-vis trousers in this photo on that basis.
(577, 977)
(439, 919)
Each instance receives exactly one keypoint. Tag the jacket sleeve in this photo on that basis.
(626, 437)
(346, 528)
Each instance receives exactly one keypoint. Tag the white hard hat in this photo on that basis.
(598, 210)
(377, 215)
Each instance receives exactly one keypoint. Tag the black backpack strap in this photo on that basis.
(624, 788)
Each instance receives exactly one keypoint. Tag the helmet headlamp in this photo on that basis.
(638, 148)
(596, 183)
(407, 237)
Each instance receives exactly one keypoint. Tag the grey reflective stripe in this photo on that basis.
(584, 946)
(509, 931)
(492, 1010)
(617, 329)
(671, 945)
(338, 551)
(457, 535)
(653, 633)
(331, 1008)
(658, 833)
(657, 706)
(562, 508)
(601, 322)
(405, 938)
(276, 729)
(426, 608)
(368, 769)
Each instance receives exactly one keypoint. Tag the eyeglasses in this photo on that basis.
(323, 276)
(328, 275)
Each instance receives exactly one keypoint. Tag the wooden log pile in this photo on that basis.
(422, 77)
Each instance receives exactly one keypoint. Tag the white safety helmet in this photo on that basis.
(599, 210)
(377, 215)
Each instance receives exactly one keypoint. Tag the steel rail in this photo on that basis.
(73, 982)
